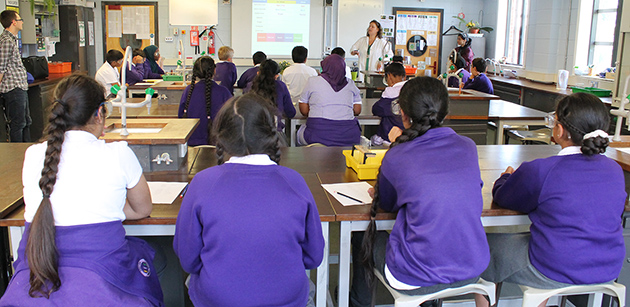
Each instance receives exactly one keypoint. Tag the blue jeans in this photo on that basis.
(18, 115)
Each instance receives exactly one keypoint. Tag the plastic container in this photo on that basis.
(172, 78)
(59, 67)
(410, 70)
(365, 167)
(593, 90)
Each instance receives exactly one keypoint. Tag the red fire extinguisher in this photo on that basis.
(211, 49)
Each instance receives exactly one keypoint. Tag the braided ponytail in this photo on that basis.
(425, 101)
(208, 95)
(265, 82)
(78, 97)
(581, 113)
(190, 90)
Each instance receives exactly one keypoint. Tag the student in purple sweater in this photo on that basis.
(458, 62)
(479, 81)
(395, 77)
(202, 100)
(225, 75)
(431, 177)
(575, 201)
(248, 228)
(464, 48)
(248, 75)
(267, 85)
(136, 73)
(152, 69)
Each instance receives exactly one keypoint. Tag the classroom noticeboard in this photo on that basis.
(129, 25)
(418, 35)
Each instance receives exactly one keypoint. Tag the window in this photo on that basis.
(601, 52)
(512, 31)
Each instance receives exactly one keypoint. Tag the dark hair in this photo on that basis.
(138, 52)
(457, 59)
(246, 125)
(77, 99)
(264, 83)
(425, 101)
(582, 113)
(339, 51)
(7, 17)
(397, 59)
(299, 54)
(113, 56)
(395, 69)
(479, 64)
(203, 69)
(465, 37)
(259, 57)
(380, 29)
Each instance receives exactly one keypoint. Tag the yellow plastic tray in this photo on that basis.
(367, 170)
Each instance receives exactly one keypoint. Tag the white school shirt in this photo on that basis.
(107, 76)
(295, 76)
(380, 49)
(92, 180)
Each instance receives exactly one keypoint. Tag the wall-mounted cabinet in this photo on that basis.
(39, 23)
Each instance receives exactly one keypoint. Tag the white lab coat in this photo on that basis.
(380, 49)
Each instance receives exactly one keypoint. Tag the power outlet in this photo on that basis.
(175, 31)
(168, 39)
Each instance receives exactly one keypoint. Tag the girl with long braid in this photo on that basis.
(267, 85)
(202, 100)
(431, 177)
(235, 254)
(77, 191)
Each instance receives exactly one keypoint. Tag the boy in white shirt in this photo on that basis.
(108, 75)
(296, 75)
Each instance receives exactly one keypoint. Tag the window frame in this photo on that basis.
(593, 42)
(521, 46)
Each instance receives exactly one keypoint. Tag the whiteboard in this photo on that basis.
(193, 12)
(354, 17)
(241, 27)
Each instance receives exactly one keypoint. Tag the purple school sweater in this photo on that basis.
(135, 74)
(148, 74)
(575, 204)
(247, 77)
(246, 233)
(480, 83)
(283, 100)
(197, 109)
(225, 75)
(435, 185)
(383, 109)
(453, 82)
(124, 265)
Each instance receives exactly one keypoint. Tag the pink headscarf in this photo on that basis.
(334, 71)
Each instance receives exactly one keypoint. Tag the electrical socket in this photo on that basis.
(168, 39)
(175, 31)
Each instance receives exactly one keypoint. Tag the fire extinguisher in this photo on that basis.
(211, 49)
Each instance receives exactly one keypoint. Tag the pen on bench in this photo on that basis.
(348, 196)
(184, 191)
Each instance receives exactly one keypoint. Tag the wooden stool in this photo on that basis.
(542, 135)
(402, 300)
(532, 297)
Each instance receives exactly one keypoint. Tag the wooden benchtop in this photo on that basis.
(157, 110)
(174, 131)
(549, 88)
(52, 78)
(170, 85)
(11, 168)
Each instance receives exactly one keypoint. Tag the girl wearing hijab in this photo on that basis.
(464, 49)
(152, 69)
(331, 101)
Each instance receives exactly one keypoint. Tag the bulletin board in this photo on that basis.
(129, 24)
(418, 32)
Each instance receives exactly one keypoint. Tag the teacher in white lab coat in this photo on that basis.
(373, 50)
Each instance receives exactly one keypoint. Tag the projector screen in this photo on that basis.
(276, 26)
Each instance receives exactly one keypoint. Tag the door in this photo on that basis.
(419, 38)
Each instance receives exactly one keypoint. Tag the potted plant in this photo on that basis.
(473, 26)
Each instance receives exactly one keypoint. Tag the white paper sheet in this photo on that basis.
(114, 23)
(81, 33)
(358, 190)
(432, 39)
(165, 192)
(128, 20)
(401, 37)
(91, 33)
(143, 28)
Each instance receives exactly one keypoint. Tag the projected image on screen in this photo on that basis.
(280, 25)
